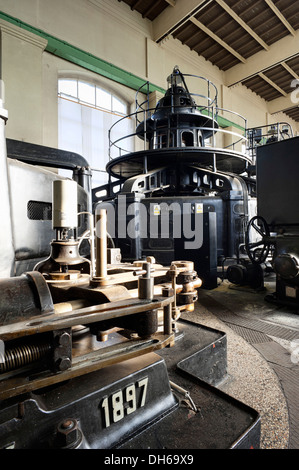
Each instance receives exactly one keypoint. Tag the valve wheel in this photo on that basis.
(257, 251)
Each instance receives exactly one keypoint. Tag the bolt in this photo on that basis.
(68, 433)
(63, 363)
(64, 339)
(68, 424)
(167, 292)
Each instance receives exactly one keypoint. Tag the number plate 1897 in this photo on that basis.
(123, 402)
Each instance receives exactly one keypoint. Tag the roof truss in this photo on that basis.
(254, 42)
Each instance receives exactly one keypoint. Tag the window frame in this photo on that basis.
(114, 98)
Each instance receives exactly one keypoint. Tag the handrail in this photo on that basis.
(212, 114)
(273, 132)
(205, 104)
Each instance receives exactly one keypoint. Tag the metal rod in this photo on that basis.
(167, 323)
(185, 393)
(92, 244)
(101, 244)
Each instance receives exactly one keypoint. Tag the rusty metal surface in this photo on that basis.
(42, 324)
(84, 364)
(104, 325)
(23, 296)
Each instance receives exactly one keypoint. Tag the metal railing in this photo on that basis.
(205, 102)
(210, 112)
(262, 135)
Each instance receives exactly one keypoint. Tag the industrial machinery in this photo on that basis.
(251, 269)
(276, 223)
(189, 190)
(94, 350)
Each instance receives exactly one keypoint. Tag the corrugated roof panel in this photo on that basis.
(189, 34)
(281, 77)
(149, 9)
(223, 25)
(197, 40)
(224, 59)
(294, 64)
(260, 18)
(293, 113)
(238, 40)
(262, 88)
(290, 10)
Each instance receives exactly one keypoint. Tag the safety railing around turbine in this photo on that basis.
(217, 124)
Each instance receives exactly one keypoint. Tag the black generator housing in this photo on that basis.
(277, 194)
(180, 178)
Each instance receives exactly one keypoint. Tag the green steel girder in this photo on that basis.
(90, 62)
(82, 58)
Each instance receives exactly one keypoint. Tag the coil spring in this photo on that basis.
(23, 355)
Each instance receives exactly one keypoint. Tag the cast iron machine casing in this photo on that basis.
(277, 222)
(59, 328)
(56, 324)
(251, 269)
(81, 340)
(182, 171)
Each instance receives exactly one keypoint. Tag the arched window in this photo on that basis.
(85, 114)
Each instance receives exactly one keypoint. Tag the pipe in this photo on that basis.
(44, 156)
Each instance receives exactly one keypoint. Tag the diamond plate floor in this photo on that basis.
(271, 333)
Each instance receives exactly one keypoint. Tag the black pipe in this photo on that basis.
(44, 156)
(54, 158)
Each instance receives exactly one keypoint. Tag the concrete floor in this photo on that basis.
(263, 370)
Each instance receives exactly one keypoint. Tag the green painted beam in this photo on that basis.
(90, 62)
(82, 58)
(222, 121)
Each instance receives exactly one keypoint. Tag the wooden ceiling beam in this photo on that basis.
(135, 4)
(173, 17)
(281, 17)
(242, 23)
(273, 84)
(290, 70)
(217, 39)
(280, 51)
(171, 2)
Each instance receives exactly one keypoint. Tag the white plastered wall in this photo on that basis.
(21, 64)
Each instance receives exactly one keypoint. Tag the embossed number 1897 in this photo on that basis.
(123, 402)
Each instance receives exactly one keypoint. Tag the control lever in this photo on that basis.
(145, 281)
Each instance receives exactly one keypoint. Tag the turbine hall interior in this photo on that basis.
(149, 269)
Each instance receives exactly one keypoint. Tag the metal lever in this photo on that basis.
(145, 282)
(186, 395)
